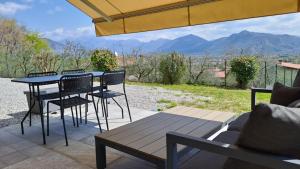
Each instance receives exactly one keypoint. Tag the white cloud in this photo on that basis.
(60, 34)
(32, 1)
(55, 10)
(28, 1)
(11, 8)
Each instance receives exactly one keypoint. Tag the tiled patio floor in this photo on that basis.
(26, 151)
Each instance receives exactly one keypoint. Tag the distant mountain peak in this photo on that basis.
(252, 43)
(192, 37)
(245, 32)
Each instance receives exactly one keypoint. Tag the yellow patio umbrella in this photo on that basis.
(129, 16)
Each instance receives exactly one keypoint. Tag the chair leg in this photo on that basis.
(86, 108)
(96, 111)
(80, 113)
(30, 118)
(128, 107)
(105, 113)
(101, 106)
(106, 107)
(76, 116)
(120, 107)
(73, 116)
(28, 112)
(64, 125)
(48, 118)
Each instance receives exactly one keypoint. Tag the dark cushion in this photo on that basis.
(239, 123)
(297, 80)
(283, 95)
(270, 129)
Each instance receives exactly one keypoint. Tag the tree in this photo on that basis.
(77, 54)
(104, 60)
(200, 67)
(44, 59)
(245, 69)
(47, 61)
(11, 38)
(32, 46)
(142, 66)
(172, 68)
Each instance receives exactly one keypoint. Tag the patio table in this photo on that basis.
(40, 81)
(146, 138)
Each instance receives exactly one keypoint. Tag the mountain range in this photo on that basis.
(244, 42)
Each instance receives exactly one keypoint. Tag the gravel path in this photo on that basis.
(13, 103)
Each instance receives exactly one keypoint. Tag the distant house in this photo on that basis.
(289, 65)
(218, 73)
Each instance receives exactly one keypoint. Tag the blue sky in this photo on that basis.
(58, 20)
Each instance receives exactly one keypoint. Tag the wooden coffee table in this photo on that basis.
(146, 138)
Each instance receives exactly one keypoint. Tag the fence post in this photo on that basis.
(265, 74)
(190, 68)
(225, 73)
(155, 78)
(291, 77)
(284, 71)
(276, 72)
(124, 65)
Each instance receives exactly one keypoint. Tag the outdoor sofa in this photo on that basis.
(213, 154)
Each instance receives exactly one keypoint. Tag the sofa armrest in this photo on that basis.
(261, 90)
(253, 95)
(254, 157)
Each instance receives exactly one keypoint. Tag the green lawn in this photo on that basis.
(231, 100)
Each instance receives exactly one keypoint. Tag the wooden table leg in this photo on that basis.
(100, 155)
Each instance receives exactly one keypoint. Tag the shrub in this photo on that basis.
(104, 60)
(172, 68)
(245, 69)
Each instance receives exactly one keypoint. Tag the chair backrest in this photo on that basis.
(297, 80)
(40, 74)
(74, 71)
(76, 84)
(113, 78)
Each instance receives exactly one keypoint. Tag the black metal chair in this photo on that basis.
(73, 71)
(107, 79)
(70, 87)
(70, 72)
(32, 94)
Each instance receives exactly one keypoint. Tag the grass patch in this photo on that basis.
(167, 104)
(164, 101)
(222, 99)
